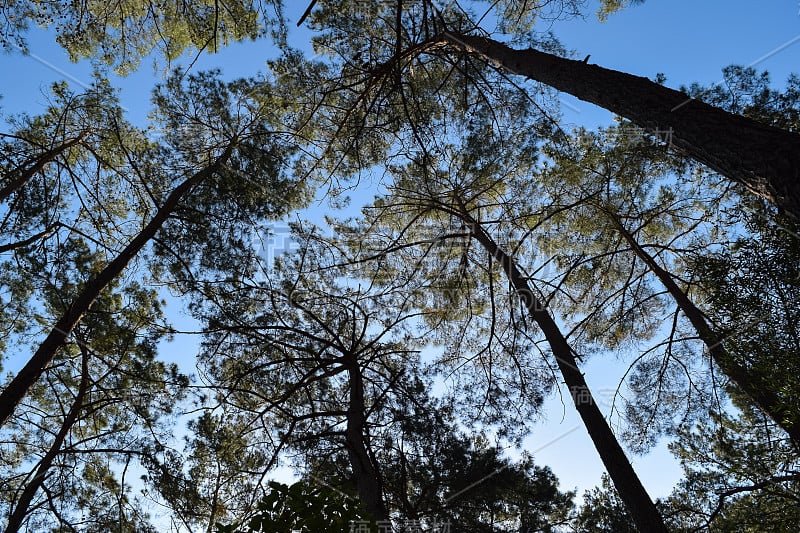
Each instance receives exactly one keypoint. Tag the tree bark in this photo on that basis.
(764, 159)
(766, 400)
(630, 488)
(13, 394)
(367, 476)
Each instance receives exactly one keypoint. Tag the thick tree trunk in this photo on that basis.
(764, 159)
(367, 476)
(627, 483)
(13, 394)
(765, 399)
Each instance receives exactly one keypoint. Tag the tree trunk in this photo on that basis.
(367, 476)
(25, 174)
(25, 499)
(13, 394)
(766, 400)
(765, 159)
(627, 483)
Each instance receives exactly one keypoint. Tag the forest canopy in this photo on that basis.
(395, 254)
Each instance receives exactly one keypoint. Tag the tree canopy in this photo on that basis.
(397, 355)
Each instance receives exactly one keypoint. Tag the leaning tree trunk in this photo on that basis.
(765, 159)
(13, 394)
(630, 488)
(765, 399)
(23, 503)
(23, 174)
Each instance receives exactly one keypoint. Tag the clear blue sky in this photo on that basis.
(688, 41)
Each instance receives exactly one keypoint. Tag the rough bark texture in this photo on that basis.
(766, 160)
(13, 394)
(368, 479)
(627, 483)
(766, 400)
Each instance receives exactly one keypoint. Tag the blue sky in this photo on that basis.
(688, 41)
